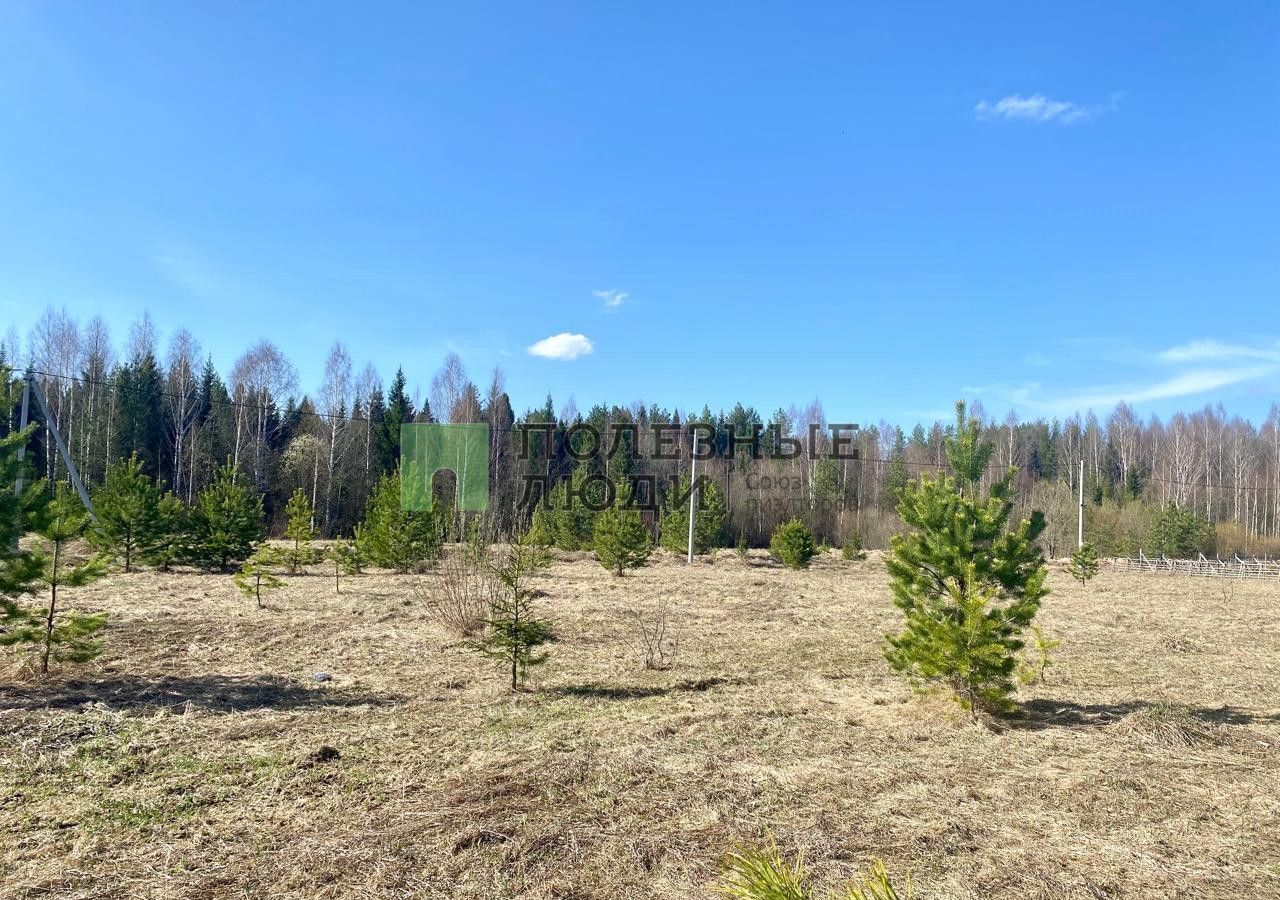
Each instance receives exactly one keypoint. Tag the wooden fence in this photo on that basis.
(1202, 566)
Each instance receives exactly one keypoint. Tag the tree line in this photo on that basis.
(185, 418)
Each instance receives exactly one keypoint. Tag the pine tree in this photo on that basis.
(708, 524)
(1178, 532)
(127, 506)
(1084, 563)
(167, 540)
(393, 537)
(298, 531)
(255, 576)
(852, 549)
(359, 555)
(53, 634)
(565, 518)
(20, 570)
(1038, 658)
(792, 543)
(225, 523)
(515, 633)
(345, 556)
(967, 585)
(620, 539)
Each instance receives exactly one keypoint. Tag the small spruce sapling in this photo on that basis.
(298, 532)
(514, 631)
(53, 634)
(1084, 563)
(255, 576)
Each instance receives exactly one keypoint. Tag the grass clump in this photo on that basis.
(764, 874)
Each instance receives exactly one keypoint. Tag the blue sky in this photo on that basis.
(887, 206)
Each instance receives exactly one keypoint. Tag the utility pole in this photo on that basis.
(22, 424)
(693, 489)
(33, 388)
(1080, 534)
(22, 450)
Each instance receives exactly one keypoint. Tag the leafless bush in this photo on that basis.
(465, 586)
(653, 636)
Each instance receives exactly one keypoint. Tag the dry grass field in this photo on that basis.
(187, 761)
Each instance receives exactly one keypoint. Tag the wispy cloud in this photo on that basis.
(1187, 384)
(1036, 108)
(564, 346)
(1211, 350)
(204, 281)
(1199, 367)
(612, 299)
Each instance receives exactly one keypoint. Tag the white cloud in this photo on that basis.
(1204, 350)
(562, 346)
(612, 299)
(1036, 108)
(1100, 397)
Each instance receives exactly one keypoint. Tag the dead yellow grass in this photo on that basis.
(188, 762)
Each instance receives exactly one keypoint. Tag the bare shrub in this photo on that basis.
(465, 588)
(654, 636)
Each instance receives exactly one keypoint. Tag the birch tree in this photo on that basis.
(181, 400)
(335, 401)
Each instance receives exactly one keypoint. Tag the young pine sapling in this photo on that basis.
(1084, 563)
(298, 532)
(255, 576)
(54, 634)
(620, 540)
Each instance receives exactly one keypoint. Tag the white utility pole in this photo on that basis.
(693, 481)
(1080, 534)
